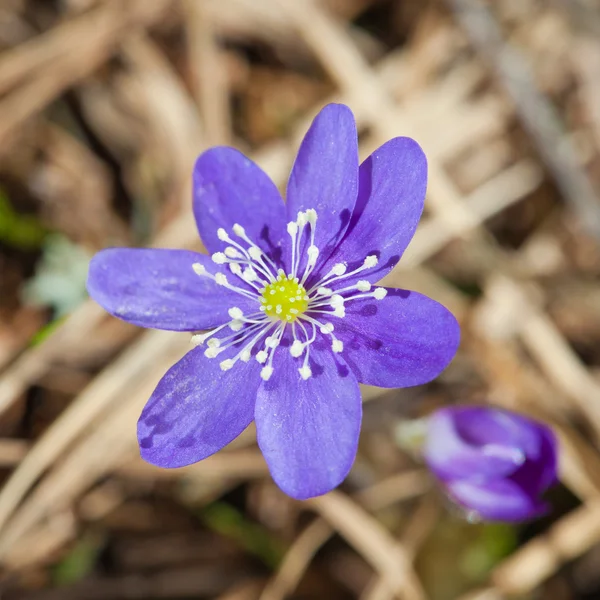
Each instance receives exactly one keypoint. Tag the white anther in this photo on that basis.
(313, 254)
(340, 312)
(245, 355)
(239, 230)
(324, 291)
(235, 269)
(236, 325)
(272, 342)
(301, 220)
(336, 300)
(296, 348)
(266, 372)
(249, 275)
(231, 252)
(339, 269)
(327, 328)
(380, 293)
(292, 228)
(371, 261)
(211, 352)
(199, 269)
(262, 356)
(222, 234)
(226, 364)
(278, 309)
(363, 285)
(219, 258)
(305, 372)
(199, 338)
(235, 313)
(255, 252)
(220, 279)
(311, 216)
(337, 346)
(213, 343)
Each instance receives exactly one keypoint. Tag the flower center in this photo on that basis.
(284, 299)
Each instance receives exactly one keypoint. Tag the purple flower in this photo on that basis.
(494, 463)
(293, 319)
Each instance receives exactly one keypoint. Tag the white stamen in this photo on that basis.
(220, 279)
(313, 254)
(305, 372)
(235, 313)
(245, 355)
(324, 291)
(380, 293)
(219, 258)
(296, 348)
(255, 252)
(336, 300)
(311, 216)
(339, 269)
(222, 234)
(266, 372)
(363, 285)
(272, 342)
(236, 325)
(340, 312)
(232, 252)
(236, 269)
(262, 356)
(371, 261)
(327, 328)
(292, 228)
(199, 269)
(337, 346)
(226, 364)
(213, 343)
(239, 230)
(212, 352)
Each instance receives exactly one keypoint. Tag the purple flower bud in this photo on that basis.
(492, 462)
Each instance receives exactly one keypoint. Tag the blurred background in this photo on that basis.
(104, 105)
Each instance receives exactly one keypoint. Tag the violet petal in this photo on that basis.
(308, 430)
(325, 175)
(391, 194)
(196, 410)
(403, 340)
(501, 500)
(229, 188)
(158, 288)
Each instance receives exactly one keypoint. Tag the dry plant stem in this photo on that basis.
(371, 541)
(99, 33)
(209, 78)
(537, 114)
(420, 526)
(538, 559)
(376, 497)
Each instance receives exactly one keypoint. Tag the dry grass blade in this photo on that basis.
(372, 541)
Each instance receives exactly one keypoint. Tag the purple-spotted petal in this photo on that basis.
(391, 194)
(228, 189)
(325, 175)
(473, 442)
(501, 500)
(196, 410)
(308, 430)
(403, 340)
(158, 288)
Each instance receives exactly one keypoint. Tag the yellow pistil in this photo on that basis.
(284, 299)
